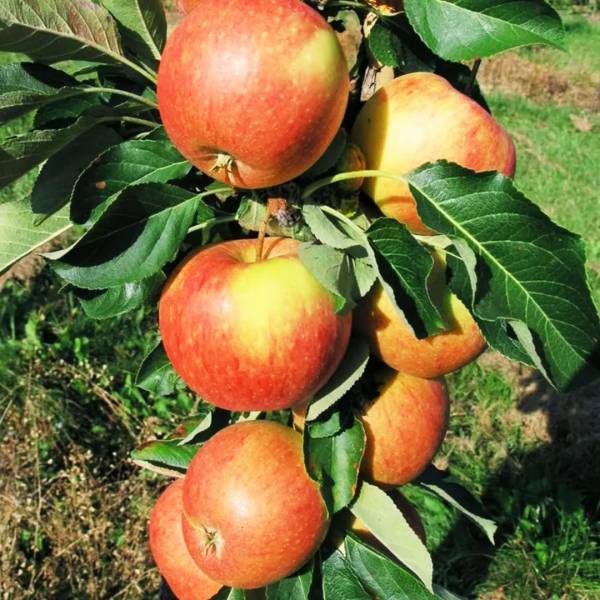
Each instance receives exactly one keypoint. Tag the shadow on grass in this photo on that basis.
(546, 501)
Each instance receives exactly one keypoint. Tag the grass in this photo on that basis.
(73, 511)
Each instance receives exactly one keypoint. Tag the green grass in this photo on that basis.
(582, 56)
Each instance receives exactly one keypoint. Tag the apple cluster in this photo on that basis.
(254, 101)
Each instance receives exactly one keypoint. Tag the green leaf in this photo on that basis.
(230, 594)
(331, 425)
(445, 594)
(335, 462)
(18, 234)
(26, 86)
(61, 110)
(387, 523)
(385, 45)
(165, 457)
(130, 163)
(527, 268)
(448, 488)
(105, 304)
(497, 334)
(56, 30)
(339, 581)
(405, 266)
(21, 153)
(347, 278)
(134, 238)
(381, 577)
(55, 183)
(350, 370)
(329, 230)
(144, 22)
(467, 29)
(156, 375)
(294, 587)
(193, 426)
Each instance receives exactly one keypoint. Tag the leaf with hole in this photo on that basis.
(131, 163)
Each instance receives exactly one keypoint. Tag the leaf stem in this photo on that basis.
(211, 222)
(136, 121)
(473, 76)
(117, 92)
(309, 190)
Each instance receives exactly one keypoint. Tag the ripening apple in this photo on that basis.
(252, 513)
(174, 562)
(439, 354)
(253, 93)
(404, 425)
(419, 118)
(248, 334)
(186, 6)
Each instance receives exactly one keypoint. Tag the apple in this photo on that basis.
(174, 562)
(404, 425)
(391, 339)
(248, 334)
(186, 6)
(253, 94)
(351, 159)
(418, 118)
(252, 513)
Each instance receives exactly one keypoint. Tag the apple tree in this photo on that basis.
(125, 202)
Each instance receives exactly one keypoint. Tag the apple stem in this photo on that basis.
(473, 77)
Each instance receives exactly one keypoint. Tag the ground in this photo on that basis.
(73, 511)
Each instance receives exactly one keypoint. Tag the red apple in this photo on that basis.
(399, 348)
(247, 334)
(253, 94)
(405, 425)
(252, 513)
(174, 562)
(418, 118)
(186, 6)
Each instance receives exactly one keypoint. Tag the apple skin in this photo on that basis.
(186, 6)
(419, 118)
(253, 101)
(392, 341)
(404, 426)
(252, 513)
(249, 335)
(169, 551)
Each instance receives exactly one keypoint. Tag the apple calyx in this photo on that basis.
(212, 540)
(223, 161)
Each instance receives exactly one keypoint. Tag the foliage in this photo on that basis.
(134, 207)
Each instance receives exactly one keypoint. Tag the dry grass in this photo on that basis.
(63, 525)
(514, 75)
